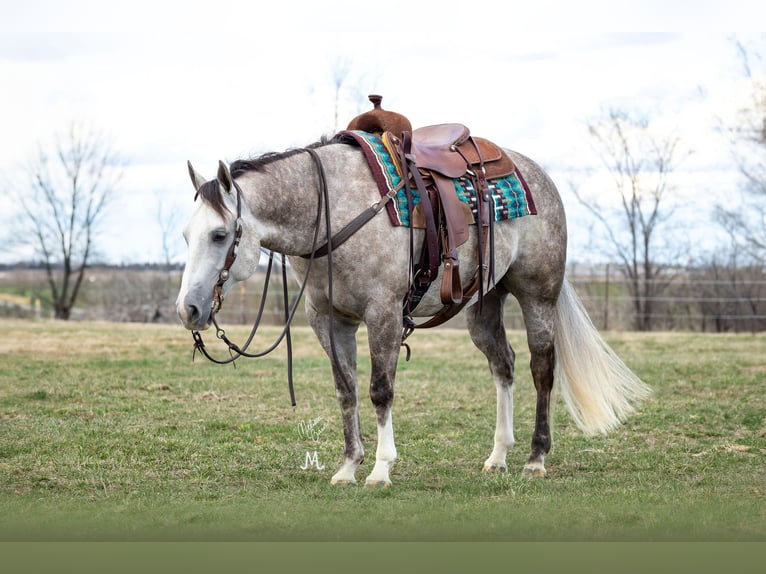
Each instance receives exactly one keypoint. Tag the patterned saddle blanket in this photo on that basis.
(510, 194)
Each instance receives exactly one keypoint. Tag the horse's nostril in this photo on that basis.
(193, 313)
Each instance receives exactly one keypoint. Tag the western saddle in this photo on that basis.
(429, 159)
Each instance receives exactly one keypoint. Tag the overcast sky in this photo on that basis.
(177, 80)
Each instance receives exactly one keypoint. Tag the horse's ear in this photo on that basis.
(224, 177)
(196, 178)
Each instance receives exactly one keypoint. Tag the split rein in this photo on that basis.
(236, 351)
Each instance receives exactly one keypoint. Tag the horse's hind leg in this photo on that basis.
(539, 317)
(488, 334)
(344, 374)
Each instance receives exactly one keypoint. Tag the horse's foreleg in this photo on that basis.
(488, 334)
(343, 361)
(384, 331)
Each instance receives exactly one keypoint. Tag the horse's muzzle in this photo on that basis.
(192, 315)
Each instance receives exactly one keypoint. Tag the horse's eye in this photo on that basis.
(219, 236)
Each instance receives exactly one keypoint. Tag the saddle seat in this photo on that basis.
(449, 149)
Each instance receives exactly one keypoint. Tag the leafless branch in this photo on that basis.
(640, 164)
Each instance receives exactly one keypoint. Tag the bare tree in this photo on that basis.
(340, 74)
(162, 289)
(349, 96)
(168, 220)
(640, 163)
(746, 223)
(69, 192)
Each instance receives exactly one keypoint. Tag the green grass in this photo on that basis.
(111, 432)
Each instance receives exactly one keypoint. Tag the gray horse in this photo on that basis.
(371, 277)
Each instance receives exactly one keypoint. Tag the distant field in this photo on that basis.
(111, 432)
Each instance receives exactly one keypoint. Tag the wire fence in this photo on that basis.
(708, 299)
(701, 300)
(687, 301)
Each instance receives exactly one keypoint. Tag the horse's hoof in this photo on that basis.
(377, 484)
(533, 471)
(495, 468)
(342, 481)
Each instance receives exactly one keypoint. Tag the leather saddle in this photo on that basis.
(450, 149)
(444, 152)
(430, 158)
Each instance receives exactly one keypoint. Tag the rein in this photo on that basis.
(236, 351)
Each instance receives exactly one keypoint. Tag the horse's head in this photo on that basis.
(209, 236)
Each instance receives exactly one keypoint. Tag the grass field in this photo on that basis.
(111, 432)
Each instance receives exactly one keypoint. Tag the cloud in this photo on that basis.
(36, 46)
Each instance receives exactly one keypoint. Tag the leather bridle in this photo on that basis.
(231, 256)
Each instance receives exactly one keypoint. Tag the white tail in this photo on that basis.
(599, 390)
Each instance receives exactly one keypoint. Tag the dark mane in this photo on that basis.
(211, 194)
(242, 166)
